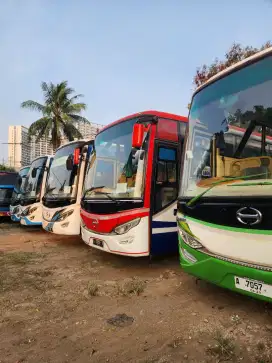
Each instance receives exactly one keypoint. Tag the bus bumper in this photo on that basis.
(34, 218)
(129, 244)
(245, 280)
(14, 218)
(4, 213)
(25, 221)
(70, 225)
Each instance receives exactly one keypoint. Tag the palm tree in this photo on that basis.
(60, 114)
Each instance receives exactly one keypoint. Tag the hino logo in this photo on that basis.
(249, 216)
(95, 221)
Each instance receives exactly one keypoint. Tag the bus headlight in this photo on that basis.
(64, 215)
(32, 210)
(25, 212)
(190, 240)
(28, 211)
(124, 228)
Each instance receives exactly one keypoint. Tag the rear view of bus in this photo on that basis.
(131, 185)
(61, 201)
(30, 201)
(7, 184)
(15, 208)
(225, 201)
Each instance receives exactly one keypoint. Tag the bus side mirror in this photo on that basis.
(76, 156)
(34, 173)
(137, 135)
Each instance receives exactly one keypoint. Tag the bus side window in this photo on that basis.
(166, 183)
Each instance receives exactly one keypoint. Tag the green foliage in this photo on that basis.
(235, 54)
(6, 168)
(60, 113)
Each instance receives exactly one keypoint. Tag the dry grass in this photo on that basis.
(19, 258)
(223, 349)
(93, 288)
(15, 273)
(264, 353)
(132, 287)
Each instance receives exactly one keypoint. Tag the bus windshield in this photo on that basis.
(5, 195)
(230, 135)
(61, 182)
(114, 171)
(20, 184)
(33, 183)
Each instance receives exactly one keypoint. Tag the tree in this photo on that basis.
(60, 113)
(235, 54)
(6, 168)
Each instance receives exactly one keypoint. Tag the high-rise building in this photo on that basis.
(41, 147)
(21, 151)
(89, 131)
(19, 147)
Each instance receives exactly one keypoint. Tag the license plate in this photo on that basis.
(256, 287)
(98, 242)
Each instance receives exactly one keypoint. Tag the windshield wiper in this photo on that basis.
(199, 196)
(49, 190)
(250, 184)
(108, 195)
(91, 189)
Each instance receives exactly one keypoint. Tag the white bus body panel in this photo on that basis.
(133, 243)
(33, 219)
(69, 226)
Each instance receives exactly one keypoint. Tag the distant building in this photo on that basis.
(41, 147)
(89, 131)
(19, 147)
(21, 151)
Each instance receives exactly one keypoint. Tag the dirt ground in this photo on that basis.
(62, 301)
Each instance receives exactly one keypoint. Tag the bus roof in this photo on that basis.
(81, 141)
(151, 112)
(40, 157)
(235, 67)
(8, 178)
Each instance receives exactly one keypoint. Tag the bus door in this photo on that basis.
(164, 198)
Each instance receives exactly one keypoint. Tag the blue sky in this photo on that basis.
(125, 56)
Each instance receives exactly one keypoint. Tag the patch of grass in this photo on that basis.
(14, 272)
(19, 258)
(260, 346)
(224, 347)
(132, 287)
(41, 273)
(264, 353)
(93, 288)
(265, 358)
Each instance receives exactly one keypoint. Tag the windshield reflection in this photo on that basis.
(62, 182)
(230, 128)
(20, 185)
(33, 184)
(114, 168)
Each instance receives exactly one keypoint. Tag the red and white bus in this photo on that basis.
(131, 185)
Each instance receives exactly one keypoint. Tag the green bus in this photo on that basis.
(225, 200)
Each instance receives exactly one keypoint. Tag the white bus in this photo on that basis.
(31, 199)
(61, 201)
